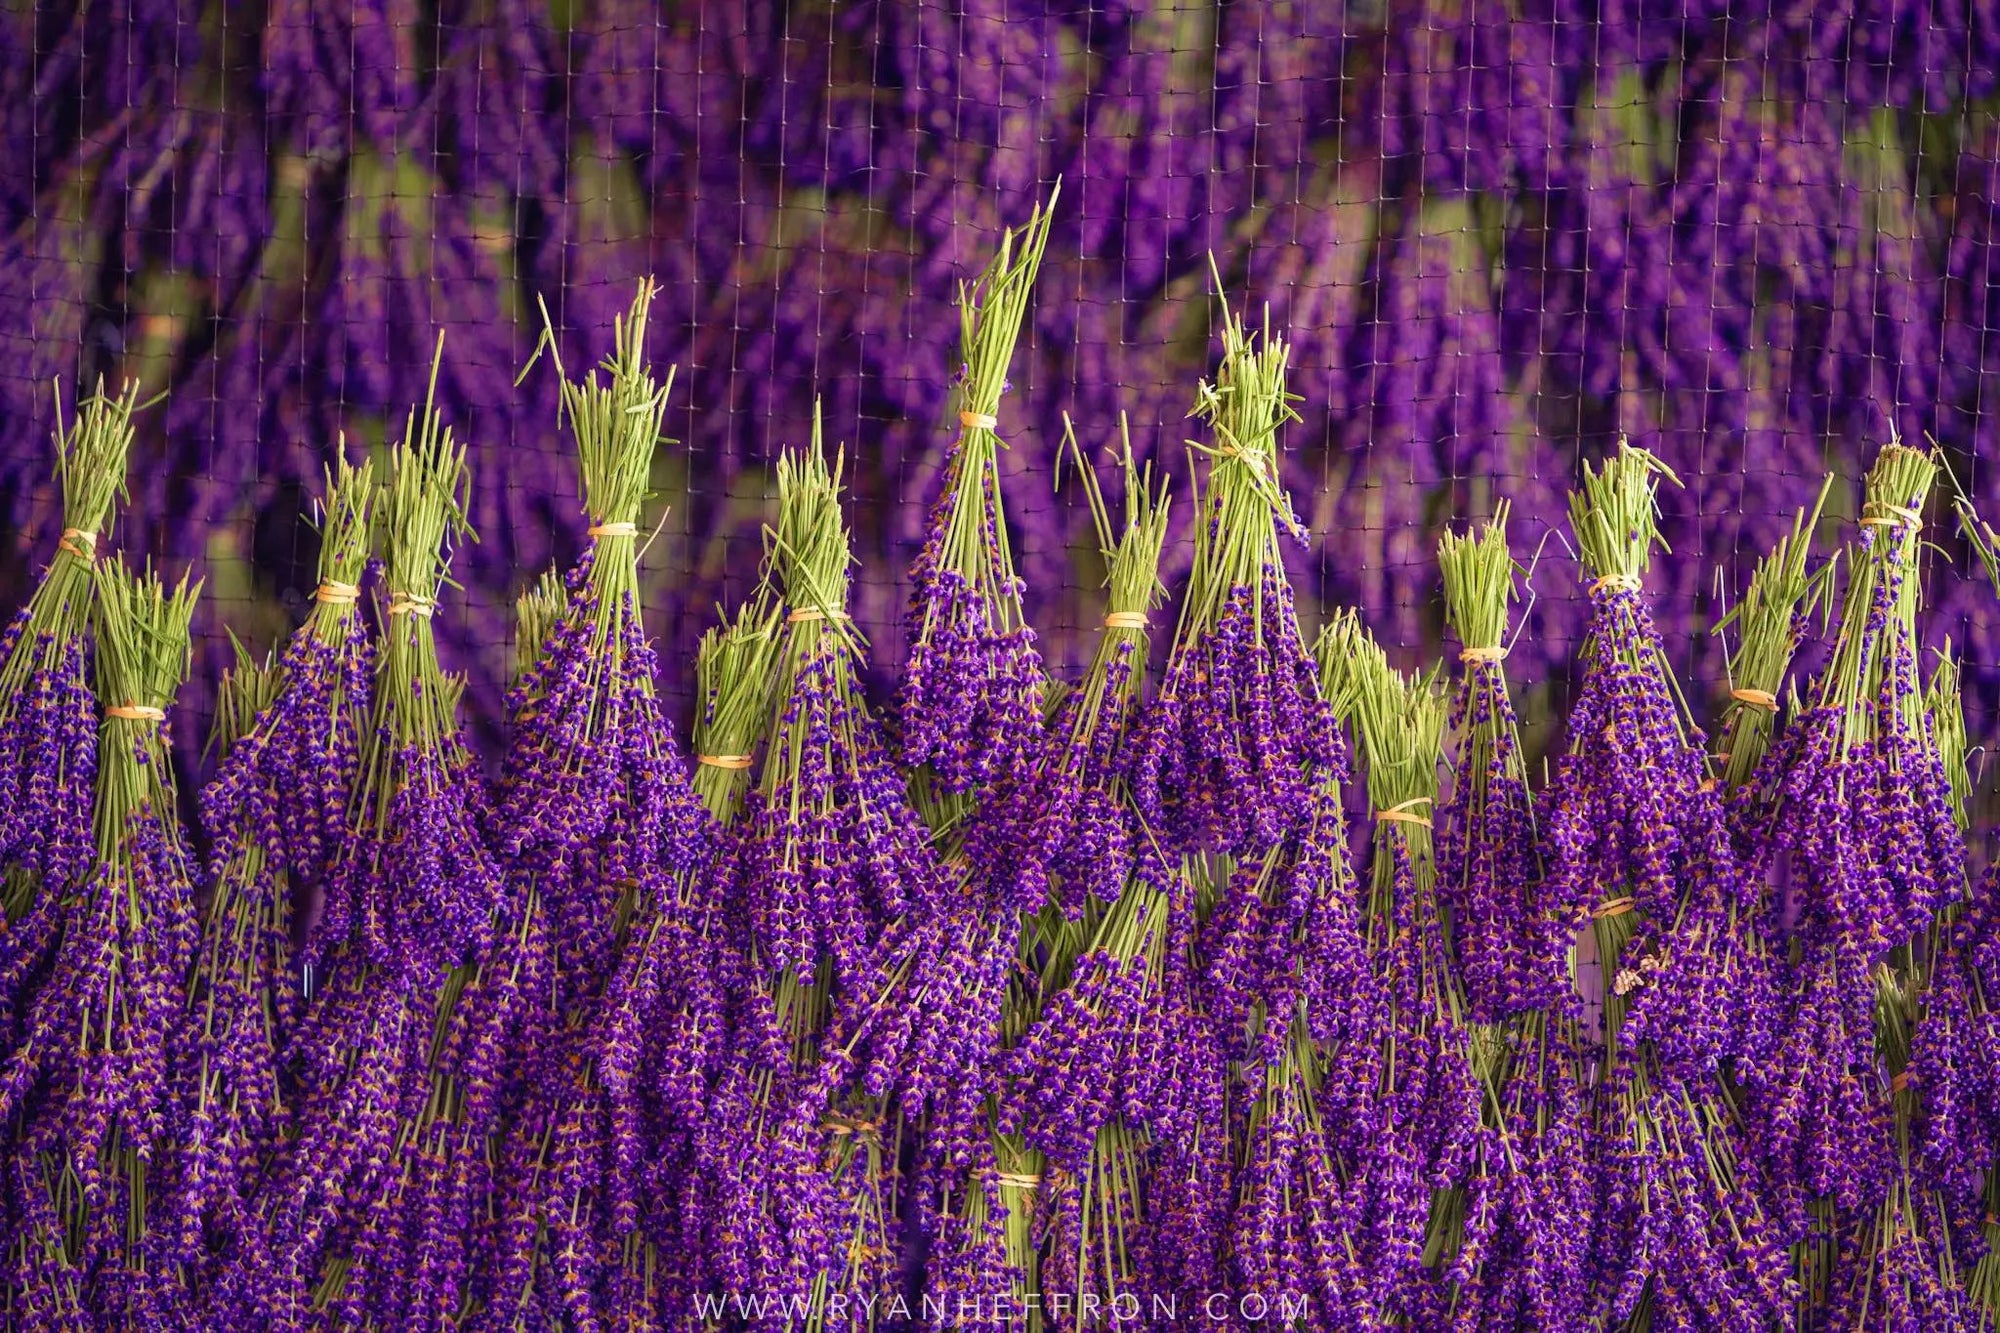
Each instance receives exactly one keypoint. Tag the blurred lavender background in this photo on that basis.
(1756, 236)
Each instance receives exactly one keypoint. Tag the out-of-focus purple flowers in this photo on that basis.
(1497, 236)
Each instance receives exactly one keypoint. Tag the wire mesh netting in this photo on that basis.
(1758, 239)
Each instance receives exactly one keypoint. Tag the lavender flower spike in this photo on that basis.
(86, 1092)
(48, 725)
(1220, 756)
(972, 685)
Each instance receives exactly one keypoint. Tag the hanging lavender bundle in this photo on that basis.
(833, 851)
(1488, 866)
(593, 815)
(605, 1182)
(1219, 757)
(48, 724)
(1287, 982)
(1637, 850)
(86, 1088)
(409, 889)
(972, 680)
(1861, 825)
(830, 857)
(242, 997)
(1115, 946)
(1430, 1102)
(1771, 621)
(593, 811)
(1513, 1247)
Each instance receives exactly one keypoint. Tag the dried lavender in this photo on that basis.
(1636, 848)
(605, 1182)
(86, 1091)
(286, 782)
(592, 811)
(1771, 622)
(1860, 819)
(972, 679)
(1430, 1102)
(831, 862)
(1100, 1064)
(409, 892)
(1219, 756)
(1512, 1242)
(1488, 864)
(48, 723)
(833, 851)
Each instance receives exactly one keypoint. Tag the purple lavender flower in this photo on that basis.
(85, 1091)
(1218, 758)
(273, 815)
(380, 1065)
(48, 726)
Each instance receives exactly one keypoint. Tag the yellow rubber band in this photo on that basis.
(1477, 655)
(1616, 583)
(729, 761)
(1126, 620)
(1400, 813)
(136, 713)
(1615, 907)
(810, 613)
(612, 530)
(337, 593)
(409, 603)
(1756, 698)
(1878, 515)
(1020, 1180)
(978, 420)
(70, 539)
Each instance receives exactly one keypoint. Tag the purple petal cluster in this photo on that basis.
(48, 766)
(1219, 758)
(1488, 869)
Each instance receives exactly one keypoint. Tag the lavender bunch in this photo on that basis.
(972, 679)
(836, 895)
(1512, 1242)
(594, 817)
(1219, 757)
(1860, 823)
(1108, 1054)
(833, 851)
(605, 1182)
(409, 892)
(1637, 849)
(1066, 820)
(48, 725)
(1488, 866)
(1430, 1102)
(1771, 621)
(286, 781)
(86, 1090)
(592, 808)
